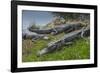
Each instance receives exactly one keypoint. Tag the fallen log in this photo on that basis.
(59, 29)
(61, 42)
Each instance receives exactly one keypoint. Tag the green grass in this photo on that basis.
(80, 49)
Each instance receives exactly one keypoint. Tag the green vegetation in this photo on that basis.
(80, 49)
(72, 16)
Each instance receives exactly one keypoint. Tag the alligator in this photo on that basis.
(66, 39)
(62, 28)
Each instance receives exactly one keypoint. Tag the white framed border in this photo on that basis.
(52, 63)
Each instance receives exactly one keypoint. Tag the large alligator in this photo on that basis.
(66, 39)
(58, 29)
